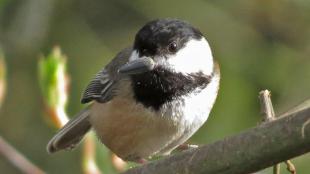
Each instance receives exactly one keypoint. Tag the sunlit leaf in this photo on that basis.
(53, 83)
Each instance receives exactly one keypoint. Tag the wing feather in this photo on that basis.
(99, 89)
(102, 86)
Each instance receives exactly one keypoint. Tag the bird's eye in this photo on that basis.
(173, 47)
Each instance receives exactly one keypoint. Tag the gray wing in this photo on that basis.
(99, 89)
(103, 86)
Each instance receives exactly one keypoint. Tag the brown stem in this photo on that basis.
(290, 167)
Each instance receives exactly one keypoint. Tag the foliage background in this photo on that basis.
(259, 44)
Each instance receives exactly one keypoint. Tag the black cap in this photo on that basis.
(155, 37)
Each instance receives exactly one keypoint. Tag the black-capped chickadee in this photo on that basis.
(151, 97)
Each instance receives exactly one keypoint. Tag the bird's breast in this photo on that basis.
(130, 130)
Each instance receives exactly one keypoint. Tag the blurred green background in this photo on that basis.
(259, 44)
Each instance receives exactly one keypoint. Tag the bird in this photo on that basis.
(152, 97)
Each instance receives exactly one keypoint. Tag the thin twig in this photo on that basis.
(276, 169)
(17, 159)
(266, 106)
(290, 167)
(269, 115)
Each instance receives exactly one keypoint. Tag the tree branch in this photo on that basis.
(250, 151)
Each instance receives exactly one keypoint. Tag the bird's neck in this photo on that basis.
(155, 88)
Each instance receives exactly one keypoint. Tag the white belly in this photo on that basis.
(132, 131)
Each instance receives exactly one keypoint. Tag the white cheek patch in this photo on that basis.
(134, 55)
(194, 57)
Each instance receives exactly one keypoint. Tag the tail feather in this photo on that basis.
(71, 134)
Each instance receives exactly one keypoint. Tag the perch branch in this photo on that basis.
(247, 152)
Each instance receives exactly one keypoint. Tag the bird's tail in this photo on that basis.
(72, 133)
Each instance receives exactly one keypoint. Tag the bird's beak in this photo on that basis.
(137, 66)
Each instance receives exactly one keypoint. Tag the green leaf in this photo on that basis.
(52, 78)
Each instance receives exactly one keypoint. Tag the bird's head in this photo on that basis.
(169, 45)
